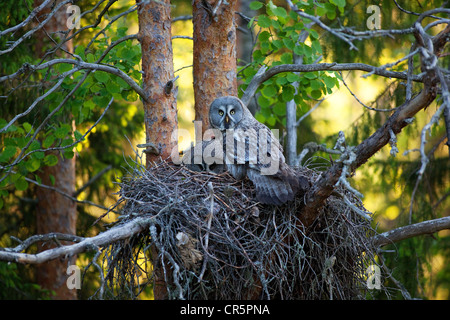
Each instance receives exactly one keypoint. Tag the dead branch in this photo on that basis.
(412, 230)
(80, 65)
(264, 74)
(396, 122)
(31, 32)
(120, 232)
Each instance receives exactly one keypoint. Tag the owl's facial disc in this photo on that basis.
(229, 118)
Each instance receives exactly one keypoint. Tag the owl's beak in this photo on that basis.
(227, 120)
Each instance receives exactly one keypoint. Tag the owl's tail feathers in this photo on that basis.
(277, 189)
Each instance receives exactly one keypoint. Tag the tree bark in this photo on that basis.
(158, 79)
(55, 212)
(214, 54)
(160, 106)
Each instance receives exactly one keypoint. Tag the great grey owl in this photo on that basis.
(251, 150)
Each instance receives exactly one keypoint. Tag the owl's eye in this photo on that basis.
(232, 112)
(220, 113)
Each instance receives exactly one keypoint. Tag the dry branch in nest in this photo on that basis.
(209, 239)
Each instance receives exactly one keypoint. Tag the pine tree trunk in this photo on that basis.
(160, 108)
(214, 54)
(157, 65)
(55, 212)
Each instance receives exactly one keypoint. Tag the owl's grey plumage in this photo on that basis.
(253, 151)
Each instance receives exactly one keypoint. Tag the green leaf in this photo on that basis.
(112, 87)
(331, 14)
(271, 121)
(256, 5)
(32, 165)
(89, 104)
(314, 34)
(263, 101)
(269, 91)
(264, 21)
(289, 43)
(102, 77)
(260, 117)
(279, 109)
(52, 179)
(264, 36)
(298, 50)
(277, 43)
(7, 153)
(80, 51)
(101, 101)
(316, 46)
(307, 50)
(339, 3)
(280, 12)
(122, 83)
(61, 132)
(316, 94)
(50, 160)
(131, 96)
(286, 58)
(282, 80)
(77, 135)
(126, 53)
(90, 58)
(329, 82)
(21, 184)
(95, 88)
(38, 179)
(288, 93)
(250, 23)
(320, 11)
(315, 84)
(35, 145)
(68, 154)
(48, 141)
(310, 75)
(38, 155)
(27, 127)
(292, 77)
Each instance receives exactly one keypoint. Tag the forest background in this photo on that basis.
(389, 182)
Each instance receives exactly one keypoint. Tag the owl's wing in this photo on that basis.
(279, 188)
(255, 147)
(269, 189)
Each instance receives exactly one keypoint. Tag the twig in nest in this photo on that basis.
(210, 217)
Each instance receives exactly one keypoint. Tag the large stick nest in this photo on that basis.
(209, 239)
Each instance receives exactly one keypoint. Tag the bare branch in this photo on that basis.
(27, 20)
(43, 123)
(321, 24)
(44, 237)
(31, 32)
(428, 49)
(413, 230)
(114, 234)
(264, 74)
(360, 102)
(113, 19)
(39, 99)
(182, 18)
(92, 180)
(83, 65)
